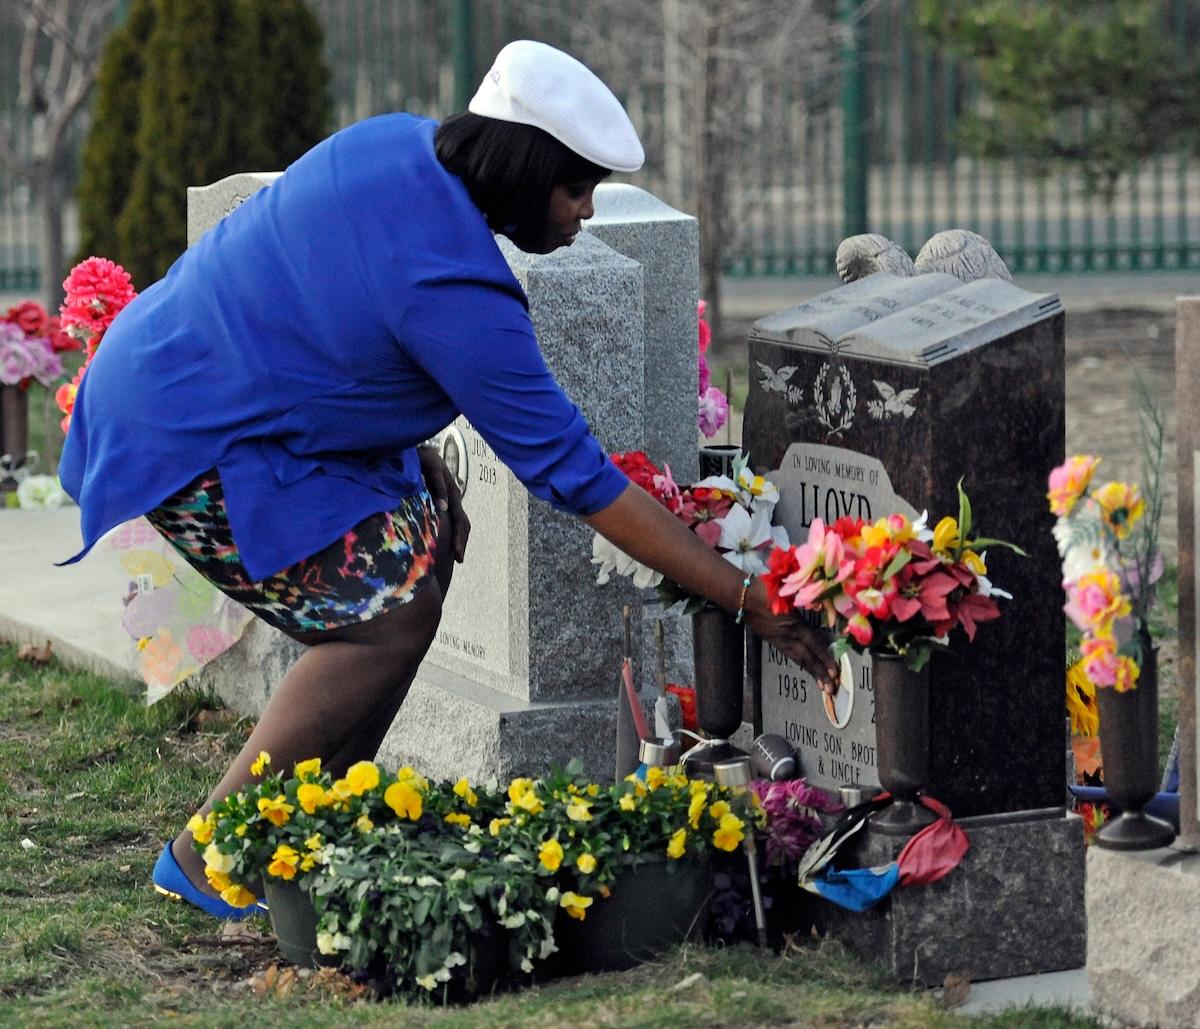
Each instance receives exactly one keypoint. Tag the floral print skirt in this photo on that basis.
(378, 565)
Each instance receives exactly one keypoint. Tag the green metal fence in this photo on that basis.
(836, 127)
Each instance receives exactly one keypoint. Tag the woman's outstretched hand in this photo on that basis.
(788, 634)
(446, 498)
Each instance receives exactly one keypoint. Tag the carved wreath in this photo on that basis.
(835, 409)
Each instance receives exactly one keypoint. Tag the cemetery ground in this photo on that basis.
(96, 781)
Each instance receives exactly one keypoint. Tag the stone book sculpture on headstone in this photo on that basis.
(878, 397)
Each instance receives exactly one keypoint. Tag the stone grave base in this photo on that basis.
(449, 726)
(1014, 906)
(1143, 951)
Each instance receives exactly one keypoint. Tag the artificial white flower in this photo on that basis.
(40, 491)
(612, 559)
(744, 537)
(1080, 541)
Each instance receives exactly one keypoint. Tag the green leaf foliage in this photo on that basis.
(189, 94)
(1103, 84)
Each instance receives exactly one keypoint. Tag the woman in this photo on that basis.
(264, 403)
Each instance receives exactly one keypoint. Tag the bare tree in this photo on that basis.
(713, 63)
(61, 41)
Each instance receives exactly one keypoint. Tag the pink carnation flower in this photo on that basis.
(1094, 600)
(96, 291)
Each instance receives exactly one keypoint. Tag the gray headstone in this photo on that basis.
(877, 397)
(207, 205)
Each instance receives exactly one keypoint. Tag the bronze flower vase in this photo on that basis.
(901, 742)
(718, 644)
(1129, 756)
(14, 434)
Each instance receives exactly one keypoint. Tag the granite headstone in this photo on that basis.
(879, 396)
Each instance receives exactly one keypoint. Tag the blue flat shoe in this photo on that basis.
(170, 881)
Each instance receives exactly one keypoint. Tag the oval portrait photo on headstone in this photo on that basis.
(454, 452)
(839, 708)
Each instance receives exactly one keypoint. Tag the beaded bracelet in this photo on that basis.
(741, 611)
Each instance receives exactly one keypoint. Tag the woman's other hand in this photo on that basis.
(790, 635)
(446, 498)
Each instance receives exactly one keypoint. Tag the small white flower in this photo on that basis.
(40, 491)
(513, 921)
(427, 982)
(552, 895)
(526, 965)
(217, 860)
(742, 536)
(428, 880)
(457, 874)
(453, 960)
(331, 943)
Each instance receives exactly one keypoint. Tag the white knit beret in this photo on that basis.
(535, 84)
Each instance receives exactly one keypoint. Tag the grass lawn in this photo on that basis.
(96, 781)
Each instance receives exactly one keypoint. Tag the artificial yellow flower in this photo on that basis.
(586, 863)
(308, 862)
(696, 809)
(239, 829)
(496, 824)
(945, 535)
(718, 810)
(698, 786)
(1121, 505)
(639, 787)
(219, 881)
(277, 811)
(311, 796)
(627, 802)
(678, 780)
(974, 562)
(404, 798)
(729, 834)
(362, 776)
(283, 862)
(655, 777)
(458, 818)
(339, 794)
(363, 823)
(550, 854)
(202, 828)
(463, 789)
(237, 896)
(1081, 701)
(579, 810)
(677, 844)
(309, 769)
(313, 842)
(260, 763)
(593, 790)
(576, 904)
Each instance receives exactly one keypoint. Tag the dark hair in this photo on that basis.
(509, 169)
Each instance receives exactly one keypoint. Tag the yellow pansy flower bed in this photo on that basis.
(407, 875)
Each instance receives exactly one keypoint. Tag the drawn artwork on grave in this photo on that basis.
(834, 737)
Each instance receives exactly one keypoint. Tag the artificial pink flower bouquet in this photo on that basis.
(30, 344)
(892, 585)
(1110, 559)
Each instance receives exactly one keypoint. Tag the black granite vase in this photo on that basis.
(1129, 752)
(901, 742)
(718, 649)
